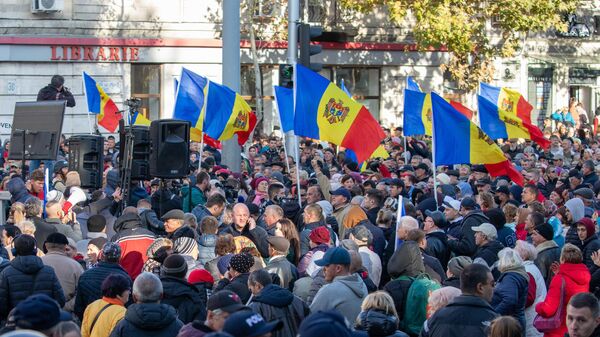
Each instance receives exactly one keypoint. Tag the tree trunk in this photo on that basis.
(257, 75)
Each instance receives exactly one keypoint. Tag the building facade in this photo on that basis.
(136, 48)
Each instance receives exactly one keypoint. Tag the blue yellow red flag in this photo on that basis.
(101, 104)
(411, 84)
(227, 113)
(284, 100)
(325, 112)
(417, 110)
(139, 119)
(457, 140)
(190, 99)
(504, 113)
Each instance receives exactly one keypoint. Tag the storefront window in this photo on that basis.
(363, 84)
(145, 84)
(539, 93)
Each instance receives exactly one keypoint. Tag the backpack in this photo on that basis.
(415, 312)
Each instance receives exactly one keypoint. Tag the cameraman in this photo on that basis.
(56, 91)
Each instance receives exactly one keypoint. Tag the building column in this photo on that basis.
(561, 87)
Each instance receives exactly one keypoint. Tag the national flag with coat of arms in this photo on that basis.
(325, 112)
(101, 104)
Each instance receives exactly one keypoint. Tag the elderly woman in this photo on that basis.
(378, 316)
(440, 298)
(101, 316)
(537, 286)
(510, 294)
(576, 279)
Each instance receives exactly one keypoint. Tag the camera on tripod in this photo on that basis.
(133, 103)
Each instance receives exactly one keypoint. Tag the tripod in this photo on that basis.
(125, 165)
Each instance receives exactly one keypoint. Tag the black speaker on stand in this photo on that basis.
(140, 164)
(169, 157)
(86, 156)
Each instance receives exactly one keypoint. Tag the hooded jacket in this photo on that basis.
(577, 210)
(18, 191)
(148, 320)
(206, 248)
(510, 294)
(577, 280)
(185, 298)
(238, 285)
(274, 302)
(379, 324)
(466, 315)
(590, 245)
(134, 241)
(345, 294)
(25, 276)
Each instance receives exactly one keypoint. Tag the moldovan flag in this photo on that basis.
(139, 119)
(284, 99)
(504, 113)
(227, 114)
(190, 99)
(457, 140)
(417, 110)
(100, 104)
(325, 112)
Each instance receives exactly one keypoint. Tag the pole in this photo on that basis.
(287, 163)
(435, 184)
(231, 73)
(291, 142)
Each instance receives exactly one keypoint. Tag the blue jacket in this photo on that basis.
(25, 276)
(206, 248)
(201, 212)
(510, 295)
(90, 283)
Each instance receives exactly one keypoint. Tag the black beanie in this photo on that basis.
(174, 266)
(96, 223)
(545, 230)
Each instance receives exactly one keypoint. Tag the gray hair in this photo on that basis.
(409, 222)
(508, 259)
(33, 207)
(147, 288)
(526, 250)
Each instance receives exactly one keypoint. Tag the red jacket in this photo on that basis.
(577, 280)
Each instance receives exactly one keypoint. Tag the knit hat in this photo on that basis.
(545, 230)
(111, 252)
(241, 262)
(72, 179)
(200, 276)
(54, 195)
(175, 266)
(223, 263)
(57, 238)
(458, 263)
(589, 226)
(320, 235)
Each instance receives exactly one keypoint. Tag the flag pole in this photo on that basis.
(405, 152)
(287, 163)
(433, 162)
(398, 217)
(296, 149)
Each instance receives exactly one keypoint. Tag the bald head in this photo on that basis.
(407, 223)
(53, 210)
(241, 214)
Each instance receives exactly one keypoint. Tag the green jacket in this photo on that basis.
(197, 198)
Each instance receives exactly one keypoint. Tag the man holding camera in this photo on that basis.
(56, 91)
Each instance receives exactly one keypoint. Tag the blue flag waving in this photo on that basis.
(284, 98)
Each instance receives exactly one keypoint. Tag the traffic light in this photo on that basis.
(286, 75)
(306, 34)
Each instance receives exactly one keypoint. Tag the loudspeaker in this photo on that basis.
(169, 157)
(86, 156)
(140, 164)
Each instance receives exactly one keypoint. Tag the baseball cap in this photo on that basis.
(487, 229)
(503, 189)
(39, 312)
(468, 203)
(335, 255)
(249, 324)
(452, 203)
(343, 192)
(225, 300)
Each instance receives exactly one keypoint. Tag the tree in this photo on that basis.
(461, 27)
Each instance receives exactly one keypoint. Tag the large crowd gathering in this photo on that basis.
(319, 247)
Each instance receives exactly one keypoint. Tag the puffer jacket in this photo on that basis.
(465, 244)
(134, 241)
(90, 284)
(378, 324)
(206, 247)
(510, 295)
(466, 315)
(238, 285)
(150, 220)
(25, 276)
(590, 245)
(577, 280)
(274, 302)
(185, 298)
(148, 320)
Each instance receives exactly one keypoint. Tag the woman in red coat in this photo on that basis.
(577, 280)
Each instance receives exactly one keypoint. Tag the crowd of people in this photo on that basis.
(321, 247)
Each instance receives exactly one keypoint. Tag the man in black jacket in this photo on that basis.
(273, 302)
(56, 91)
(177, 292)
(473, 217)
(220, 305)
(487, 245)
(236, 278)
(473, 307)
(244, 225)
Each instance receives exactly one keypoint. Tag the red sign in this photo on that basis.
(99, 53)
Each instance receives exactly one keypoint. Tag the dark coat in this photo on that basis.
(546, 256)
(465, 244)
(590, 245)
(150, 220)
(258, 235)
(287, 272)
(42, 230)
(185, 298)
(27, 275)
(379, 241)
(148, 320)
(453, 281)
(274, 302)
(475, 317)
(238, 285)
(489, 252)
(510, 296)
(51, 93)
(378, 323)
(437, 246)
(90, 283)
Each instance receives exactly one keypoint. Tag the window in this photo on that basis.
(363, 84)
(145, 84)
